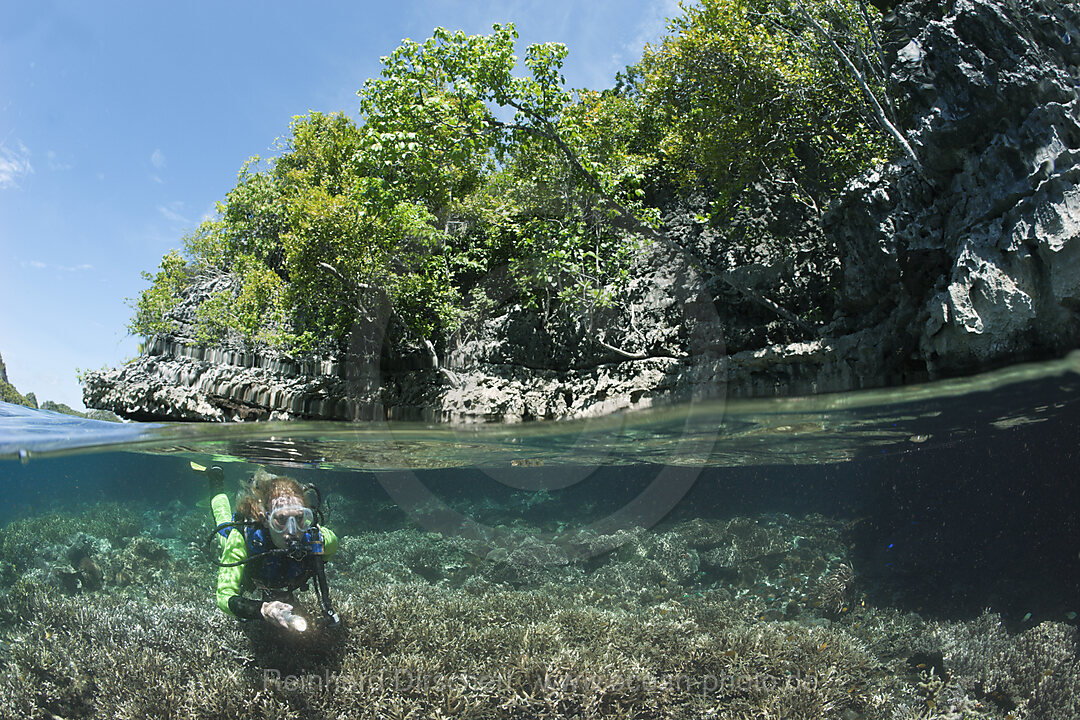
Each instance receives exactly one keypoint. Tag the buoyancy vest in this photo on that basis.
(277, 571)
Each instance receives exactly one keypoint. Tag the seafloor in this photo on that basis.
(109, 613)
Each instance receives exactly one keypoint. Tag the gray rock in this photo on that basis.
(975, 264)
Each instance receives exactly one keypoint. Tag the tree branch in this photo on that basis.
(336, 273)
(629, 356)
(632, 224)
(359, 288)
(878, 111)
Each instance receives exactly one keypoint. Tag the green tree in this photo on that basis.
(741, 89)
(154, 306)
(9, 394)
(322, 233)
(536, 208)
(460, 169)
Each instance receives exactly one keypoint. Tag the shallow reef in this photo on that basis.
(745, 617)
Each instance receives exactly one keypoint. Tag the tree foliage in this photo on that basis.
(740, 89)
(461, 171)
(154, 305)
(9, 394)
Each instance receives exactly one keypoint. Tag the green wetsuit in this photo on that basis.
(234, 549)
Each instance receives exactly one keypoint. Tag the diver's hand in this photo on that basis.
(279, 613)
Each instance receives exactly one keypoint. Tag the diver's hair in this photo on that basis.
(263, 489)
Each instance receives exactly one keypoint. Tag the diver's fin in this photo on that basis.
(215, 476)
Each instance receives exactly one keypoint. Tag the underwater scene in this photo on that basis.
(900, 554)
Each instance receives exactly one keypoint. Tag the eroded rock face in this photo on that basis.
(970, 262)
(975, 259)
(505, 370)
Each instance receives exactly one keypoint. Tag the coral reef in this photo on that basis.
(21, 540)
(731, 618)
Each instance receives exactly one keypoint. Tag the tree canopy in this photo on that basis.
(459, 170)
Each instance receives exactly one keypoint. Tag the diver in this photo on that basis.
(273, 545)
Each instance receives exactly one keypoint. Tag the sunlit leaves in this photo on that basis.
(154, 306)
(744, 88)
(470, 175)
(495, 136)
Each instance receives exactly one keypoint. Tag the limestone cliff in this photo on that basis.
(966, 262)
(974, 262)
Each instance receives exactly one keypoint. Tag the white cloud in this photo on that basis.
(157, 159)
(14, 163)
(38, 265)
(173, 212)
(55, 164)
(211, 213)
(650, 29)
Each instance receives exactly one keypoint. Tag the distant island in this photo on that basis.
(9, 394)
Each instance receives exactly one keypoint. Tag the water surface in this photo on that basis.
(863, 555)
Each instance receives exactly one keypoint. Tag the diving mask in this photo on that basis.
(290, 519)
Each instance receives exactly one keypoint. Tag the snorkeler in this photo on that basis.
(273, 545)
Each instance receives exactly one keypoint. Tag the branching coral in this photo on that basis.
(432, 629)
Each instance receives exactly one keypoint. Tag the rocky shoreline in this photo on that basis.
(969, 262)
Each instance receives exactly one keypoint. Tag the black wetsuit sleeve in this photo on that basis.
(243, 607)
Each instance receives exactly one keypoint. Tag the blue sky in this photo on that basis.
(123, 123)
